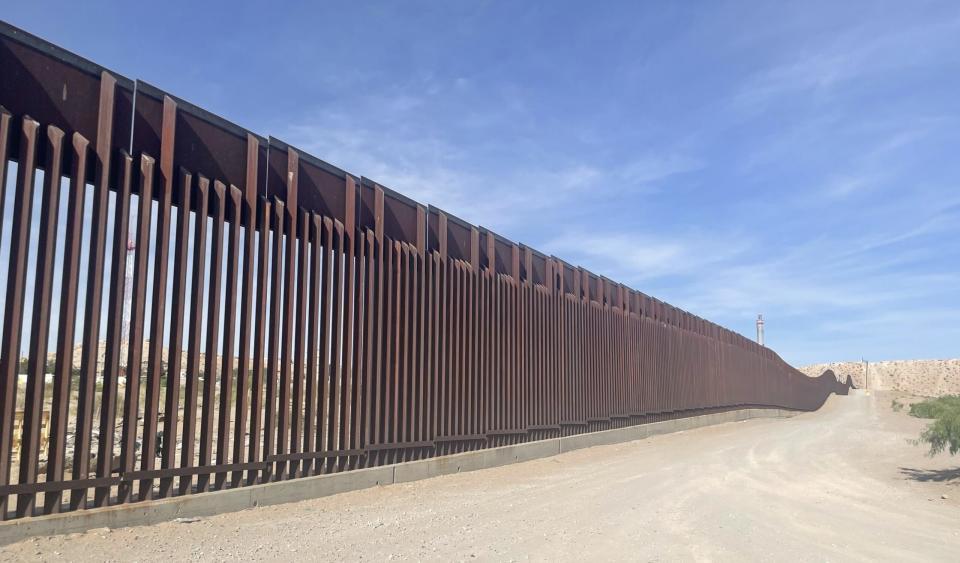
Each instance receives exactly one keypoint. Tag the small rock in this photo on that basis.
(190, 520)
(944, 497)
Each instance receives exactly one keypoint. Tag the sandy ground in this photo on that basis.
(841, 484)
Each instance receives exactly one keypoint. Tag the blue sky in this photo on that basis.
(732, 158)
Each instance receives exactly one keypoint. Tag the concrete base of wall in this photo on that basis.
(207, 504)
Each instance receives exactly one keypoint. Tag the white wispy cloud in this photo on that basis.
(433, 171)
(651, 168)
(393, 143)
(637, 257)
(853, 55)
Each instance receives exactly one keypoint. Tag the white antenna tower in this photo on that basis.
(127, 301)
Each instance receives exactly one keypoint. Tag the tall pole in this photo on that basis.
(760, 330)
(127, 301)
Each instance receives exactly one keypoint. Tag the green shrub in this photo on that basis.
(934, 408)
(944, 432)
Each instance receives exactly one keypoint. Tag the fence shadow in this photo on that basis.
(935, 475)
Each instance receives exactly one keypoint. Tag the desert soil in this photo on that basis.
(926, 378)
(840, 484)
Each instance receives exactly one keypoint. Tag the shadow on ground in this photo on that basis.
(938, 475)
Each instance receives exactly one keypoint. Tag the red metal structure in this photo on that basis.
(288, 318)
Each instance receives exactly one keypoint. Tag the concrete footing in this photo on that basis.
(207, 504)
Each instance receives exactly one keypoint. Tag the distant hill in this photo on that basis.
(927, 378)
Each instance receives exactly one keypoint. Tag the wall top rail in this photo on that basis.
(403, 218)
(56, 87)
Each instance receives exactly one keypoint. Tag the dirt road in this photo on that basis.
(841, 484)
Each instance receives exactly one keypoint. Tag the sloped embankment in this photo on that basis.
(927, 378)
